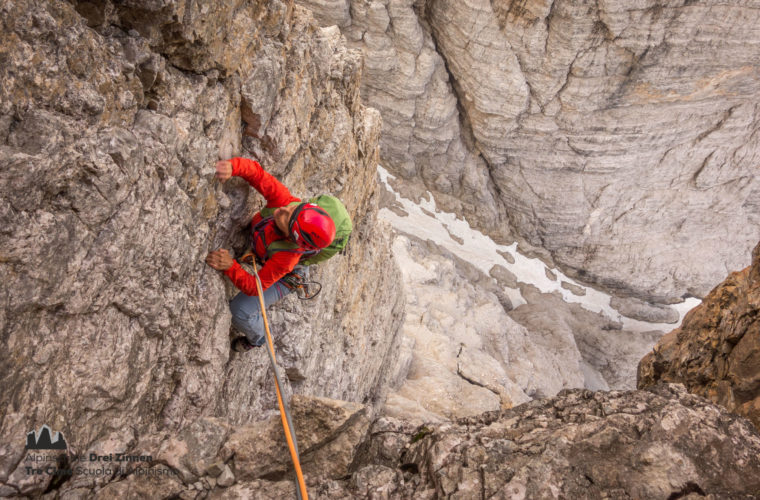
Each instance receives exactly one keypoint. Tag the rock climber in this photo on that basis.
(282, 234)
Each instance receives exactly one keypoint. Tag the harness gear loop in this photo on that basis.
(305, 289)
(287, 424)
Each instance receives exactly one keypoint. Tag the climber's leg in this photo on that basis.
(246, 312)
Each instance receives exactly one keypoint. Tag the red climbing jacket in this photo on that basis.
(277, 195)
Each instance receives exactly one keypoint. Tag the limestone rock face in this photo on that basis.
(252, 460)
(406, 79)
(716, 351)
(115, 332)
(638, 444)
(619, 140)
(590, 350)
(659, 444)
(469, 351)
(465, 355)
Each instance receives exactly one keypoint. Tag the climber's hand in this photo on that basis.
(223, 170)
(221, 260)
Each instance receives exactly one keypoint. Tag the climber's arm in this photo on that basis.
(276, 194)
(275, 268)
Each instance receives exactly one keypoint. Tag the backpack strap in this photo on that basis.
(258, 234)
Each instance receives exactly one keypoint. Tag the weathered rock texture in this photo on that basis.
(640, 444)
(659, 445)
(111, 117)
(590, 350)
(716, 351)
(470, 351)
(465, 355)
(621, 138)
(216, 460)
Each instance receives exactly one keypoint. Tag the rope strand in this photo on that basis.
(287, 424)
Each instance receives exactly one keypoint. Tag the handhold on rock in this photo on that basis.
(227, 478)
(215, 469)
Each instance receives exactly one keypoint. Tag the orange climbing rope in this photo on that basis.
(287, 424)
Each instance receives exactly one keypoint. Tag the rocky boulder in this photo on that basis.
(216, 460)
(716, 351)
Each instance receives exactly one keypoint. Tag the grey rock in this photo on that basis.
(215, 469)
(574, 289)
(507, 256)
(157, 481)
(376, 481)
(643, 311)
(578, 130)
(227, 478)
(467, 354)
(606, 444)
(193, 452)
(503, 276)
(258, 490)
(550, 274)
(111, 126)
(328, 433)
(592, 351)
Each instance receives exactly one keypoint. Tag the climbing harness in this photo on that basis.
(305, 289)
(287, 423)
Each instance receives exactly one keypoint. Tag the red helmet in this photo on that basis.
(311, 227)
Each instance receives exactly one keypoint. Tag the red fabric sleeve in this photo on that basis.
(275, 192)
(275, 268)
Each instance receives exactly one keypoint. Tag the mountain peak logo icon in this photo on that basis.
(45, 439)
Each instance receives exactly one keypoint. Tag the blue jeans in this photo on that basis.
(246, 310)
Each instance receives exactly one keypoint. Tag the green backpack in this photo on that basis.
(343, 227)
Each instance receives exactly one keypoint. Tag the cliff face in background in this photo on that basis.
(620, 140)
(114, 330)
(716, 352)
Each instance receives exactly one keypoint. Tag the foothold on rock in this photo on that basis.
(215, 469)
(227, 478)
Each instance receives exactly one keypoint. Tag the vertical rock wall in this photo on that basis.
(111, 118)
(716, 352)
(620, 138)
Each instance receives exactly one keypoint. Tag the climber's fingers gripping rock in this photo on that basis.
(223, 170)
(221, 260)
